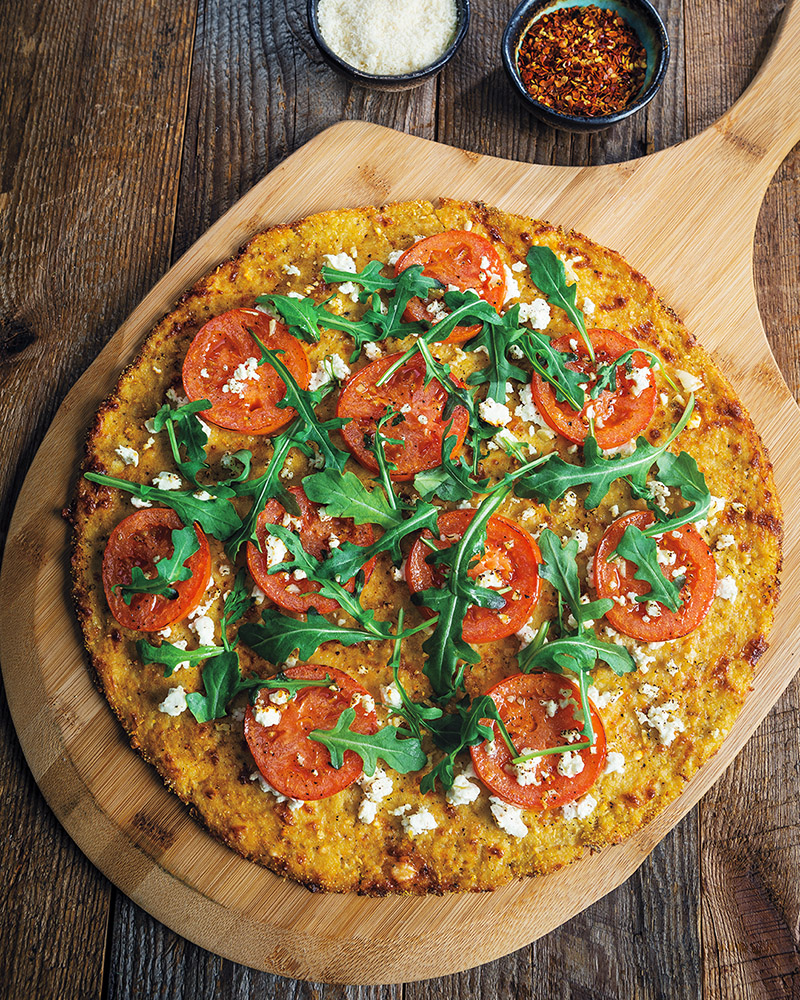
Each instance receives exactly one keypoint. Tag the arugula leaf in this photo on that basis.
(280, 682)
(560, 568)
(220, 677)
(169, 570)
(278, 636)
(577, 653)
(237, 603)
(402, 754)
(409, 284)
(643, 552)
(344, 495)
(681, 471)
(497, 338)
(551, 480)
(553, 366)
(171, 655)
(185, 430)
(370, 279)
(304, 401)
(305, 318)
(458, 730)
(549, 275)
(216, 517)
(264, 488)
(446, 646)
(607, 374)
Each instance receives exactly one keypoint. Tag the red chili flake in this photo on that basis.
(584, 61)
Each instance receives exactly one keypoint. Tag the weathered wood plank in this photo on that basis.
(91, 112)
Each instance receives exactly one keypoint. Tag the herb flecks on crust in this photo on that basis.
(421, 691)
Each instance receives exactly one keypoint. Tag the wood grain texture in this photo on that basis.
(91, 112)
(727, 41)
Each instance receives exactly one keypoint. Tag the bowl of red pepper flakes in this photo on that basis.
(584, 65)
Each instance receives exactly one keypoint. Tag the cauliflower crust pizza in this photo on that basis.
(422, 548)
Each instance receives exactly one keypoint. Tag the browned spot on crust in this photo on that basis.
(755, 649)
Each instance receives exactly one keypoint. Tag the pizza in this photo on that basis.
(422, 548)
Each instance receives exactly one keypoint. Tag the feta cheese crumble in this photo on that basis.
(422, 821)
(175, 702)
(508, 817)
(168, 481)
(129, 456)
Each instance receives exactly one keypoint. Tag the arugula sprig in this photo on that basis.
(305, 318)
(445, 648)
(555, 476)
(404, 753)
(550, 277)
(573, 651)
(216, 516)
(642, 550)
(222, 678)
(169, 570)
(186, 432)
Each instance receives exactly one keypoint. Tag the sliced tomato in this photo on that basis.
(317, 531)
(511, 557)
(291, 762)
(692, 560)
(620, 415)
(363, 402)
(220, 366)
(519, 700)
(141, 540)
(455, 258)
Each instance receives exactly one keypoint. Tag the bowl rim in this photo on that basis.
(509, 59)
(463, 14)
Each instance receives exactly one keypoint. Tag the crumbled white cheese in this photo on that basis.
(174, 703)
(494, 413)
(527, 771)
(372, 350)
(275, 551)
(390, 693)
(366, 701)
(490, 578)
(175, 398)
(291, 269)
(615, 763)
(581, 809)
(508, 817)
(570, 764)
(267, 788)
(332, 367)
(168, 481)
(244, 372)
(727, 588)
(649, 691)
(268, 716)
(662, 718)
(691, 383)
(640, 377)
(526, 635)
(463, 791)
(588, 306)
(602, 699)
(582, 538)
(344, 262)
(376, 788)
(550, 708)
(203, 628)
(527, 410)
(140, 503)
(512, 285)
(129, 456)
(537, 314)
(422, 821)
(725, 542)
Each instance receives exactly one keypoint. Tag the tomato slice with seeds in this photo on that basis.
(143, 539)
(318, 533)
(619, 415)
(291, 762)
(524, 702)
(462, 259)
(510, 563)
(687, 556)
(421, 406)
(221, 366)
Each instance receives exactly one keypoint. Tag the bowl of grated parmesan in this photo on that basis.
(387, 44)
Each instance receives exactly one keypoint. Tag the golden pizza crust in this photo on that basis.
(708, 673)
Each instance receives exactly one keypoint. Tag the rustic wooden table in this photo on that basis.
(128, 128)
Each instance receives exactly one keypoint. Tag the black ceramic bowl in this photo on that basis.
(639, 14)
(402, 81)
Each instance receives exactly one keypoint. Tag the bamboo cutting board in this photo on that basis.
(685, 217)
